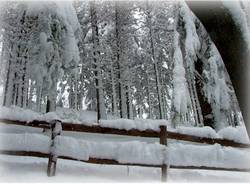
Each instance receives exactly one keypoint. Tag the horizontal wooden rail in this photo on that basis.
(132, 132)
(209, 168)
(85, 128)
(114, 162)
(192, 138)
(34, 123)
(106, 130)
(91, 160)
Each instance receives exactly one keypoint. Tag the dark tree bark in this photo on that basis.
(95, 40)
(229, 40)
(208, 117)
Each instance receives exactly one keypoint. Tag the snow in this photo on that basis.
(238, 134)
(192, 42)
(208, 155)
(88, 118)
(139, 124)
(79, 117)
(72, 116)
(205, 131)
(132, 151)
(58, 128)
(17, 113)
(30, 169)
(65, 115)
(121, 148)
(215, 88)
(125, 152)
(61, 48)
(64, 10)
(25, 142)
(180, 92)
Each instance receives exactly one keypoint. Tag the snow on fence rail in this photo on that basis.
(148, 155)
(131, 132)
(53, 154)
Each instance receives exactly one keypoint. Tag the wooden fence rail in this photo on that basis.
(132, 132)
(163, 135)
(56, 127)
(114, 162)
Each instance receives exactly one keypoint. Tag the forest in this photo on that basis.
(122, 59)
(101, 90)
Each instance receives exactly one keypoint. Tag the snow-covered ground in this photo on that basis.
(130, 151)
(30, 169)
(121, 148)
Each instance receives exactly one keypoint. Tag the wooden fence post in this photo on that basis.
(56, 129)
(163, 141)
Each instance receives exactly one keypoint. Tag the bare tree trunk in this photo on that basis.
(101, 111)
(75, 91)
(31, 90)
(114, 103)
(8, 90)
(121, 92)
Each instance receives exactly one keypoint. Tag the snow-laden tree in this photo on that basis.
(55, 51)
(15, 29)
(45, 48)
(128, 59)
(154, 44)
(213, 103)
(181, 96)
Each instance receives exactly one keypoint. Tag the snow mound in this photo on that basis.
(24, 142)
(79, 117)
(237, 134)
(139, 124)
(63, 114)
(208, 155)
(132, 151)
(205, 131)
(17, 113)
(125, 152)
(72, 116)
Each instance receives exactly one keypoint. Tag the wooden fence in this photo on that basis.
(163, 135)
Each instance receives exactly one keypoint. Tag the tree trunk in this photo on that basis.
(114, 103)
(121, 90)
(101, 110)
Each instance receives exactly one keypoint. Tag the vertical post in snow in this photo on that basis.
(163, 141)
(56, 129)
